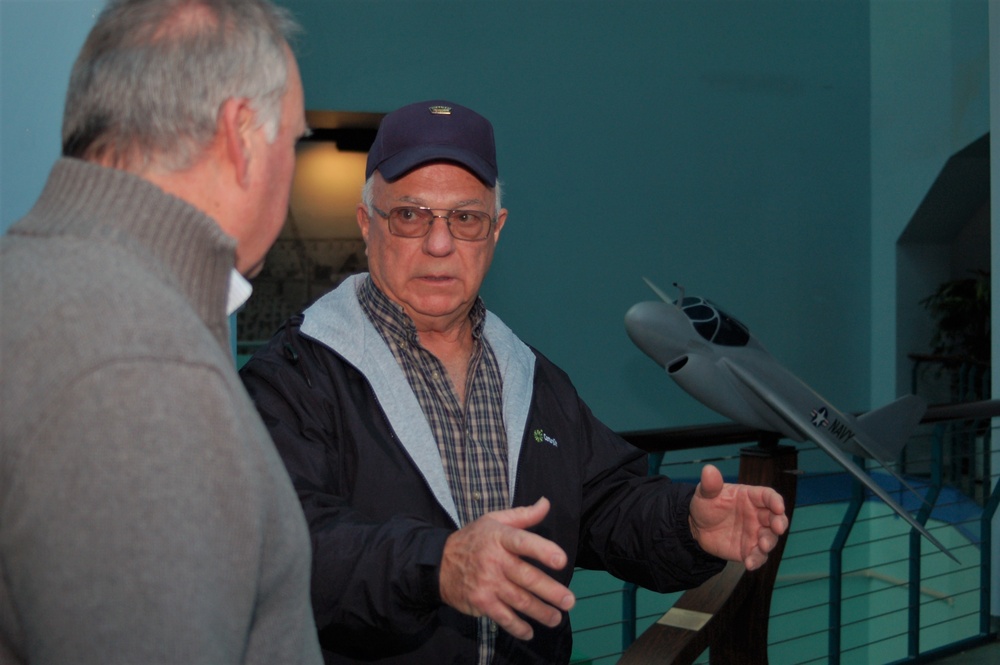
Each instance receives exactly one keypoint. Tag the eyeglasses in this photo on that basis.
(415, 222)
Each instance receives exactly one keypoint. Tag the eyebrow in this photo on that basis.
(458, 206)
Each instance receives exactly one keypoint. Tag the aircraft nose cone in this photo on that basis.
(648, 326)
(636, 317)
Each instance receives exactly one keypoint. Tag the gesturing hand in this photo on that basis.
(736, 522)
(483, 572)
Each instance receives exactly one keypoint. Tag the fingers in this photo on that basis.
(755, 560)
(484, 572)
(525, 595)
(773, 501)
(772, 523)
(526, 544)
(525, 576)
(779, 525)
(770, 506)
(776, 522)
(736, 522)
(523, 517)
(711, 482)
(771, 516)
(767, 540)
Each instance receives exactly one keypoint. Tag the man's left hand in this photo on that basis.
(736, 522)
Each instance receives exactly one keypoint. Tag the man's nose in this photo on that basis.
(439, 240)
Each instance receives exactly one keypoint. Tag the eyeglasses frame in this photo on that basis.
(430, 223)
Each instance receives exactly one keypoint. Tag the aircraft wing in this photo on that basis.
(804, 425)
(877, 435)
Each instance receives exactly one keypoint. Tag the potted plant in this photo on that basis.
(960, 309)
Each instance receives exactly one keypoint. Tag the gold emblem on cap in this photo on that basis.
(440, 110)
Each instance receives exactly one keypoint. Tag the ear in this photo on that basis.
(363, 220)
(501, 218)
(236, 127)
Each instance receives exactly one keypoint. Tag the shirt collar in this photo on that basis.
(390, 319)
(239, 291)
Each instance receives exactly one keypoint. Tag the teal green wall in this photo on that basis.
(930, 99)
(724, 145)
(39, 40)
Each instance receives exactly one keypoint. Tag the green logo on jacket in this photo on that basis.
(541, 436)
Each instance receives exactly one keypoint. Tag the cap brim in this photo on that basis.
(405, 161)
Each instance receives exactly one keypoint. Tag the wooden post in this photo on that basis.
(729, 613)
(744, 637)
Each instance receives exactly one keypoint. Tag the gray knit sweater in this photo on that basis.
(144, 514)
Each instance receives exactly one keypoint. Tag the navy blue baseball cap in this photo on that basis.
(433, 131)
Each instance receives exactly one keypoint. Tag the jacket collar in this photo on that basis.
(337, 321)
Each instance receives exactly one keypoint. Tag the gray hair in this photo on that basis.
(152, 76)
(368, 196)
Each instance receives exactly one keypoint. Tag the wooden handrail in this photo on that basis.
(729, 613)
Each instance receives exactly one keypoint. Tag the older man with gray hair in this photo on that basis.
(145, 516)
(451, 475)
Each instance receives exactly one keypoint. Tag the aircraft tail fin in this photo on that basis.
(889, 428)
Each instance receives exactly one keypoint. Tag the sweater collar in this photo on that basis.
(184, 245)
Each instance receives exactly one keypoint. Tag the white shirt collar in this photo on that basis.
(239, 290)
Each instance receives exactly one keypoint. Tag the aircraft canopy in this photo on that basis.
(713, 324)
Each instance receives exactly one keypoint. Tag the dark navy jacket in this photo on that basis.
(369, 476)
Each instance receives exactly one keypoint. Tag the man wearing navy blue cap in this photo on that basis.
(451, 476)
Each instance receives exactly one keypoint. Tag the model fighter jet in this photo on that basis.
(714, 357)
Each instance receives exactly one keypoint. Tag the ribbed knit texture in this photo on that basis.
(144, 514)
(79, 199)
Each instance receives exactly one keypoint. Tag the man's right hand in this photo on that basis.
(483, 571)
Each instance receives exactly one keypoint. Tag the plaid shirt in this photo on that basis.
(471, 438)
